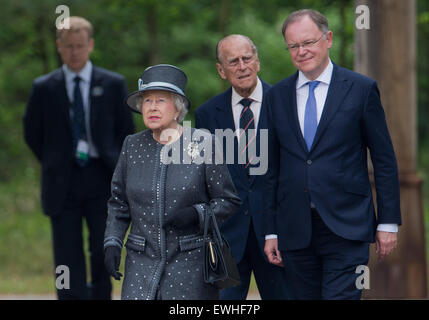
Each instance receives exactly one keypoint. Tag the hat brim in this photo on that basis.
(133, 98)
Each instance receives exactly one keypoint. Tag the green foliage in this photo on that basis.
(132, 35)
(25, 241)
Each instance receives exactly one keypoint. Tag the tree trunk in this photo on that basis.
(152, 27)
(41, 43)
(342, 33)
(225, 9)
(387, 53)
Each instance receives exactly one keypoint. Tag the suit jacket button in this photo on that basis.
(246, 212)
(309, 162)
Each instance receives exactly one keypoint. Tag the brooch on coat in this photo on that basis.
(193, 150)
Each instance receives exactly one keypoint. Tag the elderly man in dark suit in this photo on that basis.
(75, 123)
(242, 107)
(322, 121)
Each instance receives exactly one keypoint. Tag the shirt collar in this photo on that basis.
(256, 95)
(84, 74)
(324, 77)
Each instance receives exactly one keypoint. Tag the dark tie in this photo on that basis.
(78, 123)
(310, 116)
(247, 122)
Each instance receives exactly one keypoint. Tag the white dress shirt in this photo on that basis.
(85, 85)
(256, 96)
(320, 94)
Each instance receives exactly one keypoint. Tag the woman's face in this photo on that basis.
(159, 111)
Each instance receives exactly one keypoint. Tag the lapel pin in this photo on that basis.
(97, 91)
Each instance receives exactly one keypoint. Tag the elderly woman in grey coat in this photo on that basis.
(162, 193)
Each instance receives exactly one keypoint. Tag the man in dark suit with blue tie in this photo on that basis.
(242, 107)
(75, 122)
(320, 217)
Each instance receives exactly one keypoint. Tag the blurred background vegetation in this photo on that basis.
(130, 36)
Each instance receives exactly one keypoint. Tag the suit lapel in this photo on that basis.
(262, 124)
(224, 117)
(337, 91)
(62, 99)
(263, 121)
(94, 105)
(289, 98)
(225, 120)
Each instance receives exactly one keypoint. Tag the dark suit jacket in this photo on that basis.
(334, 173)
(217, 114)
(47, 128)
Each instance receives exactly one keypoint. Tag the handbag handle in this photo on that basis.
(209, 215)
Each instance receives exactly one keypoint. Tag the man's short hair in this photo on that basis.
(318, 18)
(254, 49)
(76, 24)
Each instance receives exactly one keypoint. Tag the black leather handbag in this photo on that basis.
(220, 268)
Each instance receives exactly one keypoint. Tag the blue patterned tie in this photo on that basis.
(78, 123)
(247, 121)
(310, 116)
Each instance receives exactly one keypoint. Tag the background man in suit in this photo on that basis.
(322, 121)
(75, 122)
(237, 62)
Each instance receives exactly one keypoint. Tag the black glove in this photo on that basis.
(112, 259)
(182, 217)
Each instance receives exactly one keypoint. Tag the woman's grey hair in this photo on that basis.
(180, 103)
(318, 18)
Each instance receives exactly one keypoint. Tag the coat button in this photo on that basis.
(309, 162)
(246, 212)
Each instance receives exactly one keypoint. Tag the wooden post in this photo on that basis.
(387, 53)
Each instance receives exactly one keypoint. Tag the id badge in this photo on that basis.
(82, 150)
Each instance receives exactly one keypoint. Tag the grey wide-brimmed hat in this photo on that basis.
(159, 77)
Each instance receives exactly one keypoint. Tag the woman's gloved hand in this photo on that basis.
(112, 260)
(182, 217)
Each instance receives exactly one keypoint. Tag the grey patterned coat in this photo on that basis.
(163, 262)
